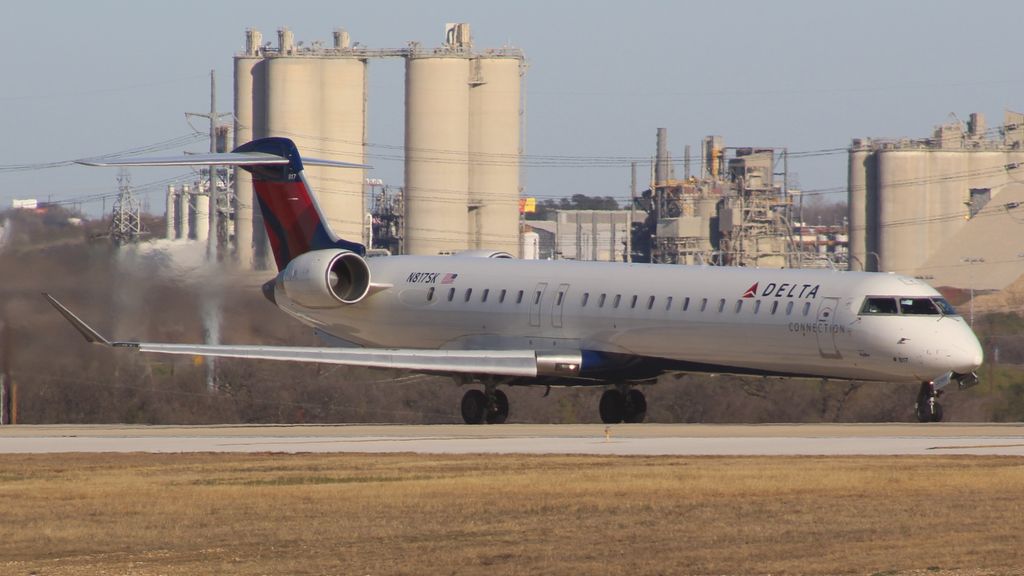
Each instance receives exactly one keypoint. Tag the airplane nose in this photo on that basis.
(968, 354)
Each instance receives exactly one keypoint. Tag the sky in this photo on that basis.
(92, 78)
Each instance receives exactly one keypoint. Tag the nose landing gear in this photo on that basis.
(927, 408)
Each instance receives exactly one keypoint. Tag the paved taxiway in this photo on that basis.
(636, 439)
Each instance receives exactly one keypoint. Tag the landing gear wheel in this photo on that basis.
(635, 407)
(928, 408)
(612, 407)
(474, 407)
(497, 409)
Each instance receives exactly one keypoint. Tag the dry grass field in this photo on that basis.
(144, 514)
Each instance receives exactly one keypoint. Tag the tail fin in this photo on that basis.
(291, 214)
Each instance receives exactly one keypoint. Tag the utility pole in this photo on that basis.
(213, 116)
(632, 212)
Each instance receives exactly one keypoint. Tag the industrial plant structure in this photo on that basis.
(946, 209)
(733, 211)
(462, 137)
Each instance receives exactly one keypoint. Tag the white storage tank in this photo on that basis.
(342, 117)
(436, 154)
(494, 150)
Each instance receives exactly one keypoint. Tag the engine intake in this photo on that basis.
(326, 279)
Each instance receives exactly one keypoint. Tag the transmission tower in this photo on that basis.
(126, 224)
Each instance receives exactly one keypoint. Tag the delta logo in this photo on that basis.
(783, 290)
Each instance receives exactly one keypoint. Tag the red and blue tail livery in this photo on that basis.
(291, 214)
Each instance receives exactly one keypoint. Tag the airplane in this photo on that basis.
(488, 319)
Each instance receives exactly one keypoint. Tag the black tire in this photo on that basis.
(921, 411)
(612, 407)
(497, 411)
(474, 407)
(636, 407)
(924, 414)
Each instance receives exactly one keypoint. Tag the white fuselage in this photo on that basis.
(786, 322)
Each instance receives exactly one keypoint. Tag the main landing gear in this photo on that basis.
(623, 404)
(928, 408)
(489, 405)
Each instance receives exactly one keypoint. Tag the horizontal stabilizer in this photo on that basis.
(218, 159)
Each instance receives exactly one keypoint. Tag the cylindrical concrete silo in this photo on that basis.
(950, 176)
(248, 96)
(185, 211)
(201, 202)
(857, 191)
(903, 209)
(171, 207)
(436, 154)
(343, 132)
(494, 150)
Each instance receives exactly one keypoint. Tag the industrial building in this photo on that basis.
(945, 208)
(732, 211)
(462, 138)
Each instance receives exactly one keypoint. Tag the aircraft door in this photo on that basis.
(827, 325)
(559, 305)
(535, 303)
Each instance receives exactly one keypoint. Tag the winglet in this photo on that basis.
(87, 331)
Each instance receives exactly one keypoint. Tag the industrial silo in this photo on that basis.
(494, 149)
(903, 209)
(342, 117)
(248, 97)
(857, 192)
(437, 153)
(293, 105)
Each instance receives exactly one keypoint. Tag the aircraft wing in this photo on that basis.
(518, 363)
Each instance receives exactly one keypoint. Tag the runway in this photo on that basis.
(592, 439)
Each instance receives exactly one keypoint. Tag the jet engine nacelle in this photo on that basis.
(326, 279)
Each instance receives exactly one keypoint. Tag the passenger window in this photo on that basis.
(876, 305)
(739, 306)
(807, 308)
(519, 297)
(430, 294)
(918, 306)
(600, 301)
(757, 306)
(686, 303)
(501, 296)
(650, 303)
(469, 292)
(486, 292)
(451, 294)
(789, 308)
(703, 304)
(668, 303)
(536, 297)
(561, 295)
(618, 298)
(721, 305)
(632, 303)
(586, 296)
(775, 307)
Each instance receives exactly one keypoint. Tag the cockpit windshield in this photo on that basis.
(909, 305)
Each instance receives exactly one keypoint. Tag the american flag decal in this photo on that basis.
(449, 278)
